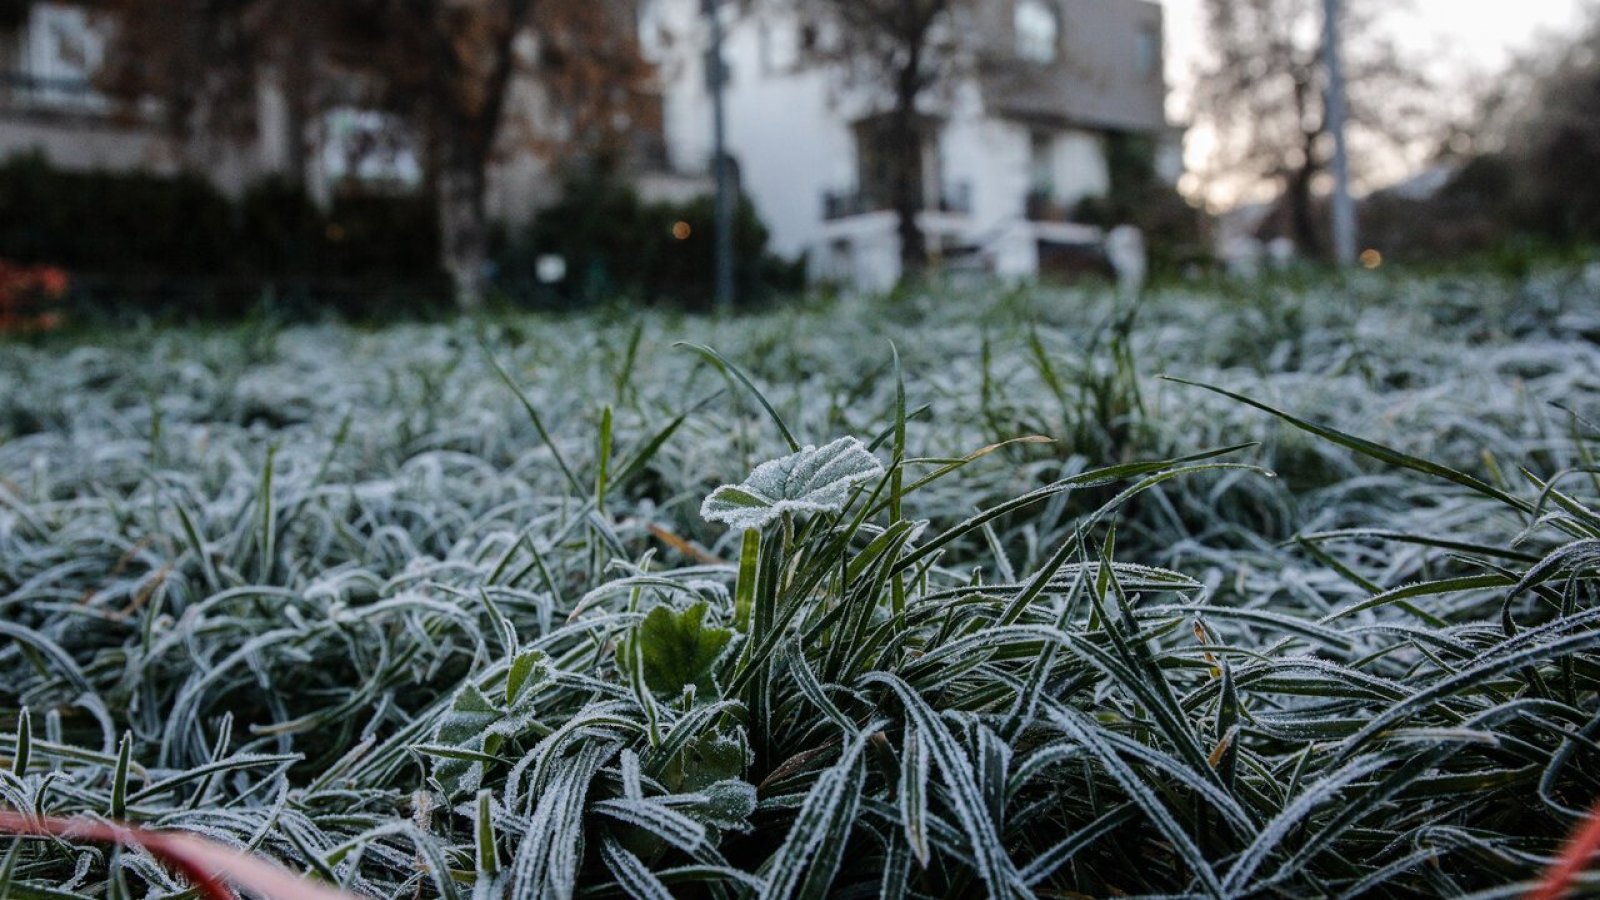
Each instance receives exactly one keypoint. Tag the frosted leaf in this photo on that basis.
(816, 479)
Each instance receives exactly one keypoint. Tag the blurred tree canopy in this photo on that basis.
(1523, 163)
(615, 244)
(1264, 93)
(1557, 151)
(445, 69)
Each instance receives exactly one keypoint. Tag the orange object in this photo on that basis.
(26, 295)
(1585, 843)
(207, 865)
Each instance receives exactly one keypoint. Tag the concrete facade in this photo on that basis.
(48, 105)
(1018, 142)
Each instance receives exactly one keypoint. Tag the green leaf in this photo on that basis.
(710, 759)
(524, 667)
(470, 716)
(679, 649)
(119, 778)
(815, 479)
(19, 757)
(632, 875)
(483, 831)
(467, 726)
(727, 805)
(745, 588)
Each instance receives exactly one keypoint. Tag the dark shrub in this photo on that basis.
(134, 224)
(615, 244)
(175, 245)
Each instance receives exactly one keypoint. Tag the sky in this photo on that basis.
(1456, 38)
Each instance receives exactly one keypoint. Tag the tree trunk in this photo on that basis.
(297, 167)
(468, 100)
(464, 229)
(906, 139)
(908, 201)
(1302, 211)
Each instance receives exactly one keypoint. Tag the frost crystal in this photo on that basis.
(816, 479)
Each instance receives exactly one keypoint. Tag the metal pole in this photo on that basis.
(1344, 215)
(725, 210)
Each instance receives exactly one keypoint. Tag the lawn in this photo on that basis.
(1290, 590)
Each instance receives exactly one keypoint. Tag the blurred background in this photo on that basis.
(201, 158)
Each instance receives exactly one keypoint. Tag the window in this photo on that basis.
(1038, 26)
(1147, 51)
(368, 148)
(1041, 163)
(782, 45)
(63, 49)
(877, 164)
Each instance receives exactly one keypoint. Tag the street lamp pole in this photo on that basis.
(719, 115)
(1344, 217)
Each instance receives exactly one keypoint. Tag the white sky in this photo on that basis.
(1454, 39)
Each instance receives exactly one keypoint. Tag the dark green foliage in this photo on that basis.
(375, 236)
(1475, 213)
(1536, 196)
(615, 244)
(1563, 153)
(677, 650)
(281, 230)
(123, 224)
(282, 233)
(1171, 226)
(175, 245)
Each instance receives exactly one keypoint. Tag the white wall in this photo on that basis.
(792, 147)
(1079, 166)
(791, 144)
(789, 129)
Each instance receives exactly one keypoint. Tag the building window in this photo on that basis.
(368, 150)
(1038, 26)
(61, 49)
(1041, 163)
(1147, 51)
(877, 168)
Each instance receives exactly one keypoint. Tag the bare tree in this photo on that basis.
(204, 61)
(905, 51)
(1264, 90)
(444, 69)
(1555, 144)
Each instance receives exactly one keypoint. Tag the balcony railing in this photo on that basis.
(844, 204)
(954, 199)
(25, 90)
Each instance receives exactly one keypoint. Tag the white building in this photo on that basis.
(50, 55)
(1015, 146)
(1055, 88)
